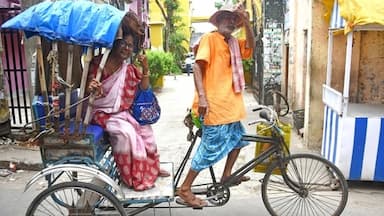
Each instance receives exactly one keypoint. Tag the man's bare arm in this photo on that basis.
(250, 37)
(198, 70)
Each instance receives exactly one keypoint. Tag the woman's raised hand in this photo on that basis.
(95, 88)
(143, 60)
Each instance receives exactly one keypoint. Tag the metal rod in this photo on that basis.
(8, 73)
(14, 76)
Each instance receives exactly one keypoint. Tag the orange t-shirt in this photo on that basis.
(224, 105)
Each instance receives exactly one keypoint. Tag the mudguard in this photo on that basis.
(95, 173)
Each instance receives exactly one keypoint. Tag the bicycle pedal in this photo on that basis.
(211, 197)
(199, 190)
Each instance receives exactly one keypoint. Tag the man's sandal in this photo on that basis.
(190, 200)
(196, 203)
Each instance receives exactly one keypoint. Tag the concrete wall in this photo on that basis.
(185, 14)
(338, 63)
(157, 35)
(370, 86)
(307, 60)
(307, 65)
(157, 23)
(300, 14)
(316, 74)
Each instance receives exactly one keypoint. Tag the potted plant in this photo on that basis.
(247, 67)
(160, 64)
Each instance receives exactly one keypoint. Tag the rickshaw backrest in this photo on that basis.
(62, 146)
(38, 106)
(38, 111)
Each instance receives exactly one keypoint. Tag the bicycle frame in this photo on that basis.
(276, 148)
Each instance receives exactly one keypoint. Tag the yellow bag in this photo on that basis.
(261, 147)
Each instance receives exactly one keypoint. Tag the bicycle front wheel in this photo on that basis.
(313, 187)
(75, 198)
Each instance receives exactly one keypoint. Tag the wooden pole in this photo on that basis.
(55, 85)
(347, 75)
(330, 58)
(87, 117)
(84, 77)
(42, 79)
(68, 90)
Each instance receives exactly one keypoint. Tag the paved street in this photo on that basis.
(245, 199)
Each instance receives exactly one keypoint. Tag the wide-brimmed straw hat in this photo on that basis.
(227, 8)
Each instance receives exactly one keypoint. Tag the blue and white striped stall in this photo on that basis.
(353, 134)
(355, 143)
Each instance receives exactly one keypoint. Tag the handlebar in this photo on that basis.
(257, 109)
(268, 115)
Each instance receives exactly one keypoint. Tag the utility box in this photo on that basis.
(262, 129)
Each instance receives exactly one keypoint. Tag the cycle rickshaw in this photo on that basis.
(82, 178)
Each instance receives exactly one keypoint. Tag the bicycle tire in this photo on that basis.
(100, 198)
(325, 190)
(279, 102)
(65, 176)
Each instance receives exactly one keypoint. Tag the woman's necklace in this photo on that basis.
(111, 68)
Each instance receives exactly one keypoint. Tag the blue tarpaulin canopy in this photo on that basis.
(79, 22)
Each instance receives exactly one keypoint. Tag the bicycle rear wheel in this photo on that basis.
(322, 188)
(75, 198)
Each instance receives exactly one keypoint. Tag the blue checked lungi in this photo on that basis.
(216, 143)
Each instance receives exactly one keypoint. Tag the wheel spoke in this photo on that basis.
(318, 188)
(75, 198)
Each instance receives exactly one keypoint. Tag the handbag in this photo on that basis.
(145, 107)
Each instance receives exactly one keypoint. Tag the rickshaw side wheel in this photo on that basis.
(218, 194)
(75, 198)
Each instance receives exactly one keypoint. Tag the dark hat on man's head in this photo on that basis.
(227, 8)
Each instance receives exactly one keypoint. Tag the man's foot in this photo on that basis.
(239, 181)
(187, 198)
(163, 173)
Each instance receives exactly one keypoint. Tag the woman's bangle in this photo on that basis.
(145, 75)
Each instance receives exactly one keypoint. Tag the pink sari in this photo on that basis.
(133, 145)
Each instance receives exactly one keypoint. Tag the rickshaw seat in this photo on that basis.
(58, 147)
